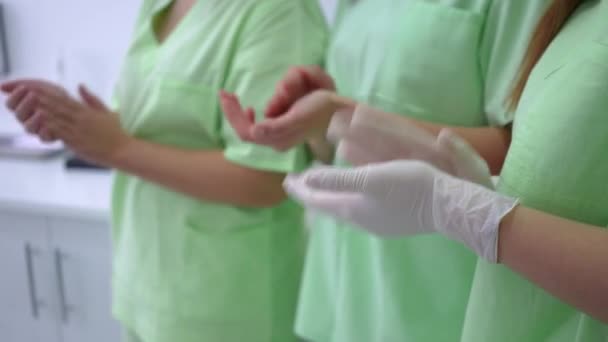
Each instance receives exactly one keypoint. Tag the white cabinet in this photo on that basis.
(26, 308)
(81, 257)
(55, 280)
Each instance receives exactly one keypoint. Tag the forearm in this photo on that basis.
(205, 175)
(492, 143)
(566, 258)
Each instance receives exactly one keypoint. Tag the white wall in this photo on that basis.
(84, 38)
(78, 34)
(329, 7)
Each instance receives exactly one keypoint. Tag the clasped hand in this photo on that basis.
(87, 127)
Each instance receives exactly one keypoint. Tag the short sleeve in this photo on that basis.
(275, 36)
(508, 30)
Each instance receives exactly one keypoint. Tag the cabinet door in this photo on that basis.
(81, 257)
(26, 296)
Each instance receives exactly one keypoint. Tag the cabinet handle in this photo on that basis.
(35, 304)
(64, 307)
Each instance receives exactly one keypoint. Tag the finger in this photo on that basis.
(317, 78)
(339, 125)
(384, 146)
(90, 99)
(287, 91)
(46, 135)
(277, 105)
(25, 109)
(295, 86)
(391, 136)
(336, 179)
(59, 101)
(240, 121)
(340, 204)
(250, 115)
(58, 114)
(287, 124)
(59, 108)
(231, 103)
(358, 154)
(30, 83)
(59, 129)
(382, 124)
(16, 97)
(282, 101)
(34, 123)
(10, 86)
(281, 142)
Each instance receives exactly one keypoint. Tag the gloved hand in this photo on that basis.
(373, 136)
(403, 198)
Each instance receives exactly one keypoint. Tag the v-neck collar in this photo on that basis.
(161, 6)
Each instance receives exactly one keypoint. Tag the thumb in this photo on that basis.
(90, 99)
(335, 179)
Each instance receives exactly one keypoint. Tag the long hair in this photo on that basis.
(548, 27)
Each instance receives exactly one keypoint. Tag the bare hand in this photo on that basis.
(297, 83)
(22, 101)
(307, 118)
(90, 129)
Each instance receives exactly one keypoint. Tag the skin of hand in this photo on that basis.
(22, 101)
(89, 128)
(490, 142)
(297, 82)
(308, 118)
(373, 137)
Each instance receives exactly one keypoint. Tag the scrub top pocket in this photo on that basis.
(437, 65)
(178, 114)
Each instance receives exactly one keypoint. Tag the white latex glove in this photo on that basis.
(373, 136)
(403, 198)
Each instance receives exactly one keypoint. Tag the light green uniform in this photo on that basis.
(189, 270)
(449, 61)
(557, 163)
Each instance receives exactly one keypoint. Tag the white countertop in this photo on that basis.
(45, 187)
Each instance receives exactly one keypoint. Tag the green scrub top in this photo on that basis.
(557, 163)
(449, 61)
(190, 270)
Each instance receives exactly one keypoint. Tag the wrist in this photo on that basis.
(505, 227)
(334, 104)
(124, 152)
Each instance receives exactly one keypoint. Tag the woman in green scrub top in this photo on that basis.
(554, 165)
(557, 164)
(206, 246)
(449, 62)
